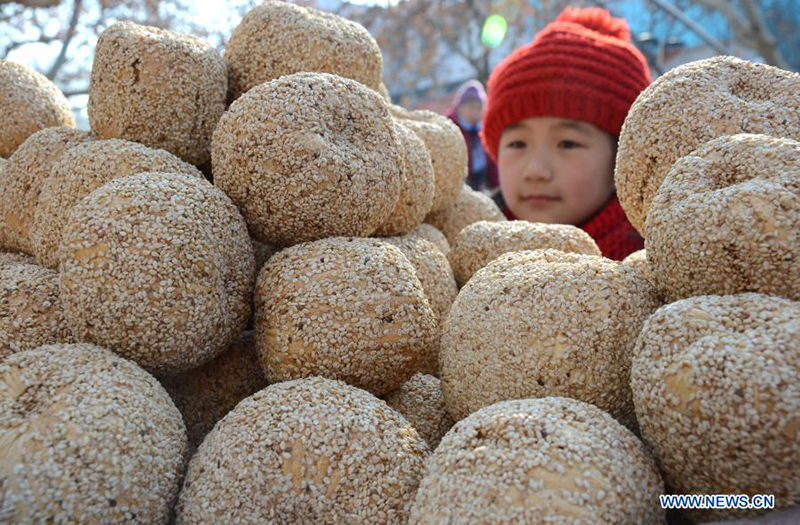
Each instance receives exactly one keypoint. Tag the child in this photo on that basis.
(466, 112)
(555, 110)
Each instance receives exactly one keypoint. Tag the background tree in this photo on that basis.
(33, 3)
(427, 43)
(429, 46)
(768, 27)
(57, 38)
(747, 20)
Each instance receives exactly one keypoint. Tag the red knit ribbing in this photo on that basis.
(612, 231)
(583, 67)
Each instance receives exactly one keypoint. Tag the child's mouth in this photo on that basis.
(539, 199)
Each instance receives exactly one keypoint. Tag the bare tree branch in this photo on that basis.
(62, 55)
(750, 29)
(32, 3)
(726, 8)
(715, 44)
(73, 92)
(766, 44)
(19, 43)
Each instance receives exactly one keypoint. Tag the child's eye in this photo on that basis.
(568, 144)
(516, 144)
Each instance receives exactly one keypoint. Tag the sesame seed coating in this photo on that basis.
(430, 233)
(344, 308)
(14, 258)
(638, 261)
(309, 156)
(484, 241)
(31, 314)
(86, 437)
(22, 179)
(307, 451)
(157, 267)
(161, 89)
(447, 150)
(553, 460)
(726, 220)
(421, 402)
(436, 276)
(81, 170)
(417, 187)
(544, 323)
(204, 395)
(278, 38)
(29, 102)
(714, 382)
(471, 206)
(691, 105)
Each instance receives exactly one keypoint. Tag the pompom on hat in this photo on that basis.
(582, 66)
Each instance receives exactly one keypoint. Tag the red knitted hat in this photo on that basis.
(582, 66)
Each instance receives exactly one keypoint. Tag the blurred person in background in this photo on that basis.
(467, 112)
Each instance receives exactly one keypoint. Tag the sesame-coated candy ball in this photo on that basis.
(309, 156)
(159, 268)
(436, 276)
(447, 150)
(204, 395)
(162, 89)
(638, 259)
(29, 102)
(86, 437)
(714, 382)
(431, 234)
(31, 313)
(421, 402)
(691, 105)
(726, 220)
(279, 38)
(482, 242)
(545, 323)
(470, 207)
(22, 179)
(539, 461)
(81, 170)
(306, 451)
(344, 308)
(417, 188)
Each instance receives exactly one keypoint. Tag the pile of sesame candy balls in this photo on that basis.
(257, 291)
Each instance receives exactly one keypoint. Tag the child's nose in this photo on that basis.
(538, 167)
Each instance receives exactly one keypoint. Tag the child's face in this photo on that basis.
(471, 111)
(555, 170)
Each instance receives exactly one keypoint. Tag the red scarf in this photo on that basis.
(610, 229)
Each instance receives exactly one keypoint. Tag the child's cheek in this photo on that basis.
(507, 173)
(502, 163)
(589, 182)
(581, 190)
